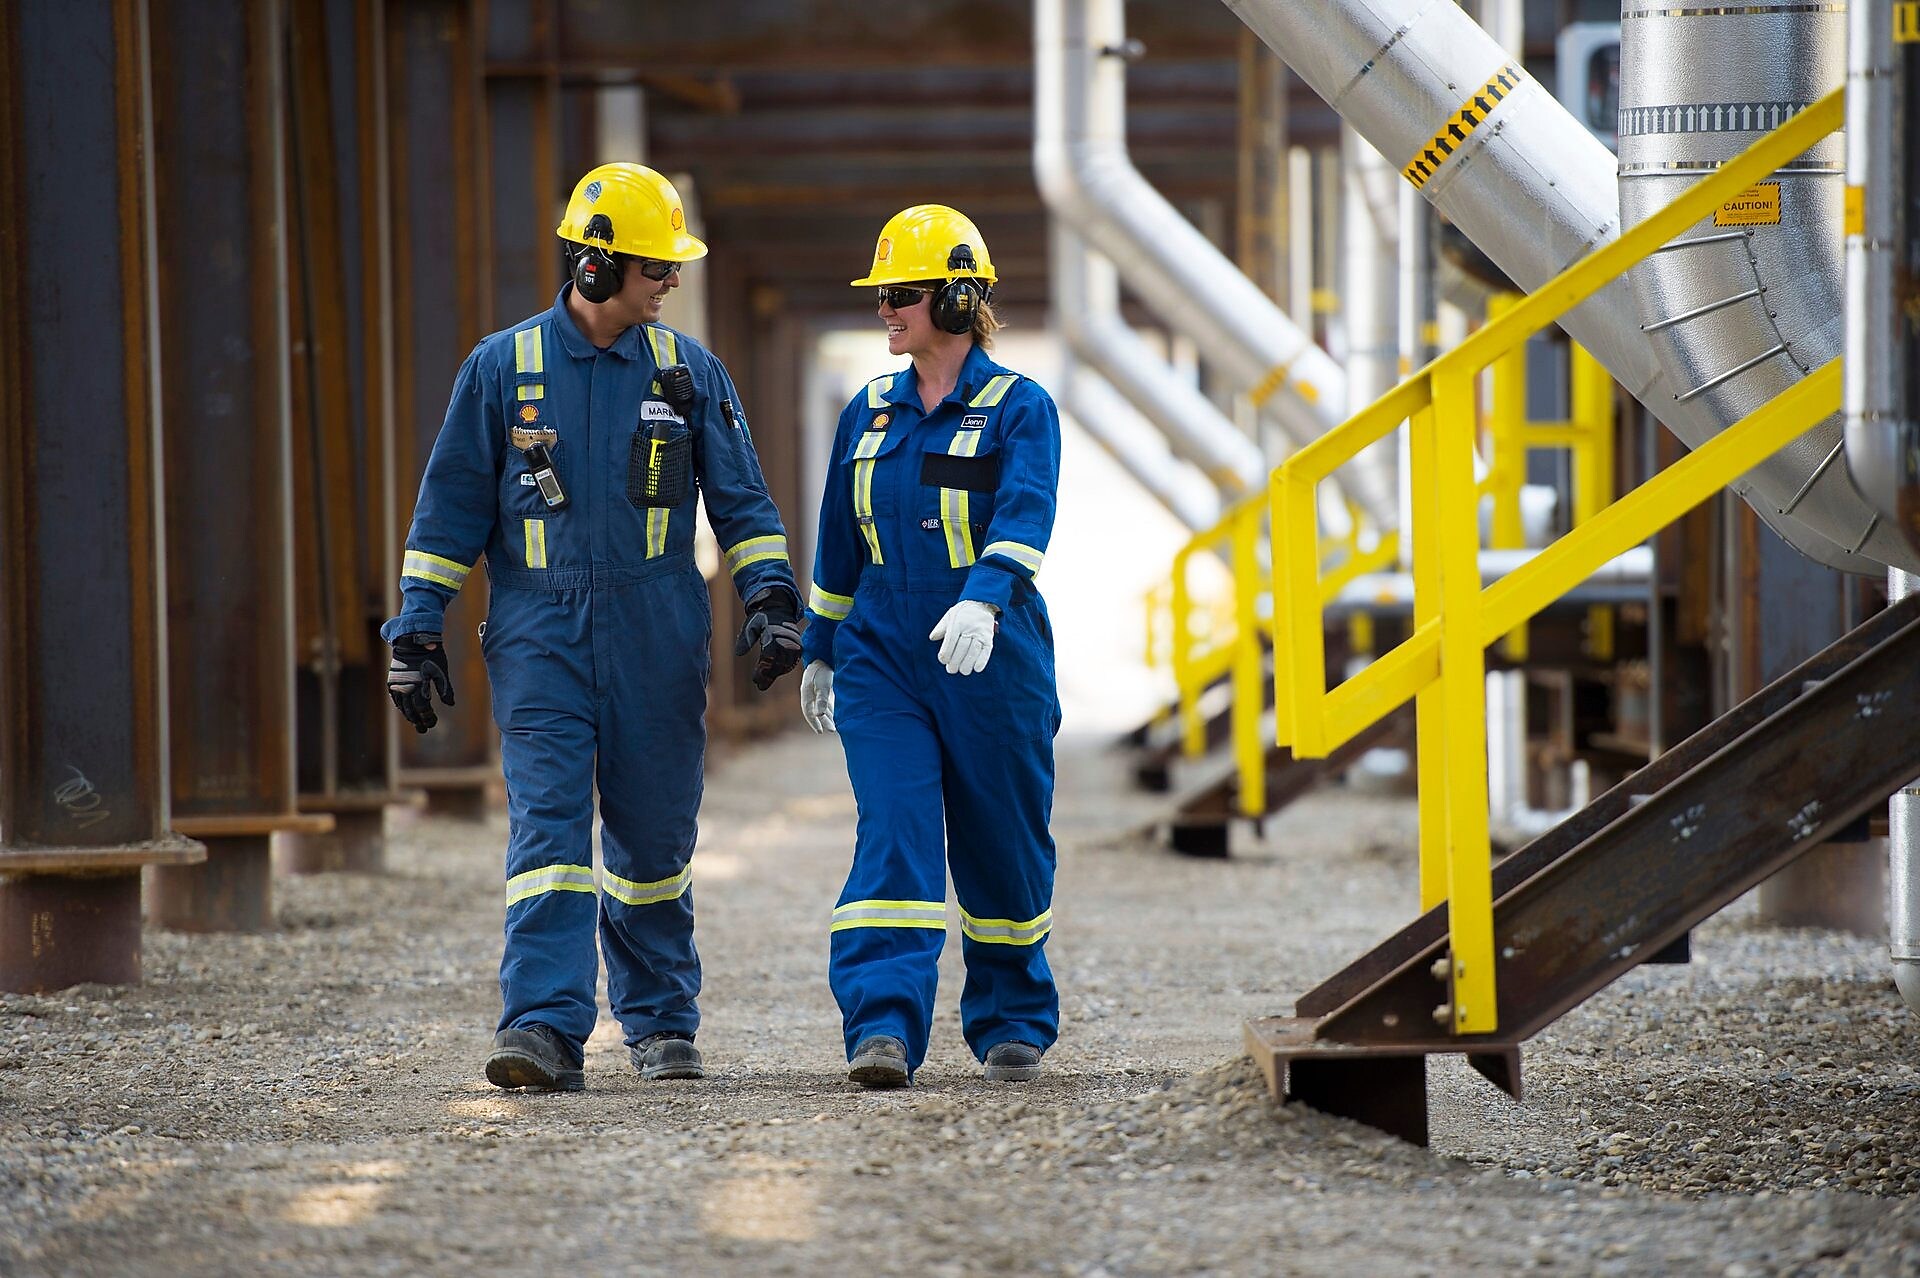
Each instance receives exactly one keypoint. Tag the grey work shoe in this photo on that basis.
(879, 1060)
(667, 1055)
(1012, 1062)
(535, 1057)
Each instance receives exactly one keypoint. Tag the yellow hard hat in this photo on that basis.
(645, 211)
(926, 242)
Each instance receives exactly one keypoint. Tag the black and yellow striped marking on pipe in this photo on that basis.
(1453, 134)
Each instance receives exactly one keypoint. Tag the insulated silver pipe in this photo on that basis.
(1369, 223)
(1087, 179)
(1086, 310)
(1113, 424)
(1882, 399)
(1504, 161)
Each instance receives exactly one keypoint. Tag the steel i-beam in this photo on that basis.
(83, 791)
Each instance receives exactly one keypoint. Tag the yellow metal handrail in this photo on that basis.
(1443, 664)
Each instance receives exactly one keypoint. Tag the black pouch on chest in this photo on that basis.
(660, 461)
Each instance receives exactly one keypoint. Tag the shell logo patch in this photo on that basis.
(885, 251)
(677, 219)
(529, 414)
(880, 421)
(592, 193)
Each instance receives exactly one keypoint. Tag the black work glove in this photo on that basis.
(419, 669)
(773, 622)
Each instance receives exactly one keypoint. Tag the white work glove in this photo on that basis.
(965, 635)
(816, 696)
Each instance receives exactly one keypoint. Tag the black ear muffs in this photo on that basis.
(597, 273)
(956, 302)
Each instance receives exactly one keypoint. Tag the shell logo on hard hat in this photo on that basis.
(592, 192)
(677, 219)
(885, 250)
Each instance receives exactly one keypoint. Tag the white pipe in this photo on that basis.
(1114, 425)
(1300, 237)
(1086, 308)
(1617, 580)
(1536, 192)
(1087, 180)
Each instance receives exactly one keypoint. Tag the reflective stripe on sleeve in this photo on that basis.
(1006, 931)
(536, 543)
(756, 550)
(863, 489)
(829, 605)
(657, 531)
(440, 571)
(1026, 556)
(995, 390)
(529, 356)
(928, 914)
(550, 878)
(627, 892)
(953, 506)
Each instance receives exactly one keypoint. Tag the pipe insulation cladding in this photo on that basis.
(1494, 152)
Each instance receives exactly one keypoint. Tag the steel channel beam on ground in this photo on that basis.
(83, 802)
(341, 320)
(441, 301)
(221, 355)
(1764, 798)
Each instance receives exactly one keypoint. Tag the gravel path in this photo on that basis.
(310, 1102)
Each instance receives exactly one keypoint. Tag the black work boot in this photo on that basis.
(537, 1057)
(1012, 1062)
(668, 1054)
(879, 1060)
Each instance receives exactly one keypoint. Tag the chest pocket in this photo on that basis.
(963, 480)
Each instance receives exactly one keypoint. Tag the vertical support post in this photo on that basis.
(1463, 684)
(222, 352)
(83, 740)
(343, 431)
(1430, 741)
(1193, 734)
(1248, 749)
(441, 302)
(523, 150)
(1507, 471)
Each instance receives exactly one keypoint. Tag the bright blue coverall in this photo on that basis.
(922, 510)
(597, 646)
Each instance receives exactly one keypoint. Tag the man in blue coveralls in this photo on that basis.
(570, 457)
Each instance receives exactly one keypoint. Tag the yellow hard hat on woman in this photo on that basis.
(644, 215)
(929, 242)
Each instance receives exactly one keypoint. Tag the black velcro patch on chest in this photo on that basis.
(943, 470)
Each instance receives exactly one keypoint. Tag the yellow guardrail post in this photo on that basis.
(1430, 742)
(1193, 733)
(1249, 751)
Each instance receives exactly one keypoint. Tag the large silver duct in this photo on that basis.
(1113, 424)
(1088, 181)
(1086, 299)
(1535, 191)
(1883, 337)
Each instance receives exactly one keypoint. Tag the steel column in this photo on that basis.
(83, 753)
(525, 185)
(440, 300)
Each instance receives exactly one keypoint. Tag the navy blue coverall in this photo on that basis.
(923, 509)
(597, 647)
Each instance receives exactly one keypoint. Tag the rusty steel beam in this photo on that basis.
(342, 326)
(222, 351)
(441, 298)
(83, 800)
(523, 156)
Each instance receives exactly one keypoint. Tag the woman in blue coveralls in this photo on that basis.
(929, 649)
(573, 454)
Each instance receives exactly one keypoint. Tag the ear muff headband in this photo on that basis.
(597, 273)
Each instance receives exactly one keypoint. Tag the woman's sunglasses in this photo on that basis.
(900, 298)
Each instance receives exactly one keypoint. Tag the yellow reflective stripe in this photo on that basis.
(877, 392)
(954, 515)
(754, 550)
(1026, 556)
(1006, 931)
(929, 914)
(529, 356)
(631, 893)
(550, 878)
(863, 489)
(666, 351)
(994, 391)
(536, 530)
(829, 605)
(444, 572)
(657, 532)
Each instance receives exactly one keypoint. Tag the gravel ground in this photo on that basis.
(310, 1102)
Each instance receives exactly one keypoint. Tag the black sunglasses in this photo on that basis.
(900, 297)
(653, 268)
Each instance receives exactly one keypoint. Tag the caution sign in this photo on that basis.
(1755, 206)
(1453, 134)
